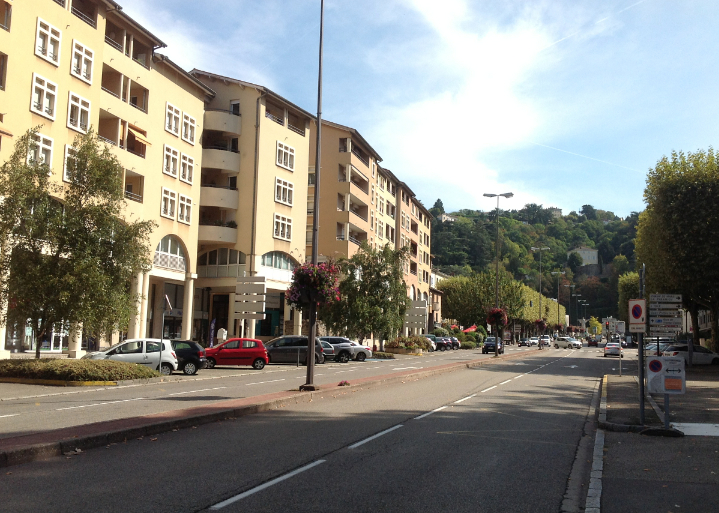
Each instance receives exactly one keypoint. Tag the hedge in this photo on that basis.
(413, 342)
(468, 345)
(74, 370)
(383, 356)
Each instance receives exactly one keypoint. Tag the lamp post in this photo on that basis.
(569, 304)
(496, 272)
(559, 281)
(576, 309)
(540, 249)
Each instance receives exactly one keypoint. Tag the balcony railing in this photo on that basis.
(340, 237)
(296, 130)
(2, 25)
(84, 17)
(219, 186)
(117, 46)
(143, 109)
(356, 241)
(275, 118)
(413, 271)
(310, 211)
(364, 218)
(223, 110)
(219, 147)
(108, 141)
(134, 197)
(364, 159)
(141, 63)
(110, 92)
(135, 152)
(60, 2)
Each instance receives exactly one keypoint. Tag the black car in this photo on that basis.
(443, 343)
(190, 356)
(292, 349)
(489, 346)
(456, 344)
(524, 342)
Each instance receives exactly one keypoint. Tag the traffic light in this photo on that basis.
(607, 325)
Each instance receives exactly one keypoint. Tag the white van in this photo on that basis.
(142, 352)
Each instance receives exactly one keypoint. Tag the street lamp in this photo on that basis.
(569, 304)
(559, 280)
(540, 249)
(576, 309)
(496, 273)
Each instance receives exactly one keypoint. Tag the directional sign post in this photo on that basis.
(664, 315)
(665, 375)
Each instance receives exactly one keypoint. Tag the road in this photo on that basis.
(500, 437)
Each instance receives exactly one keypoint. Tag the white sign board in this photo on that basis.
(665, 298)
(637, 311)
(637, 328)
(665, 375)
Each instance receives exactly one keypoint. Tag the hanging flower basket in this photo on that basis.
(540, 324)
(313, 284)
(497, 317)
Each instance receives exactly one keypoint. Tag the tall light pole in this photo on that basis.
(496, 272)
(576, 302)
(559, 281)
(540, 249)
(309, 385)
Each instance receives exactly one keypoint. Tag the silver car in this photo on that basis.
(613, 349)
(142, 352)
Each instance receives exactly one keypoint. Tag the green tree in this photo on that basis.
(589, 212)
(574, 261)
(68, 255)
(373, 295)
(594, 323)
(628, 289)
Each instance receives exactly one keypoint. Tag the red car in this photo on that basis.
(238, 351)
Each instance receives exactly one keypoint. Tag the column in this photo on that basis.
(188, 306)
(231, 316)
(74, 342)
(143, 305)
(297, 327)
(286, 316)
(133, 330)
(251, 327)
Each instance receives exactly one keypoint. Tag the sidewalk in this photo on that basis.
(649, 473)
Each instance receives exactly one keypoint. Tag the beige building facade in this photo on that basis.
(68, 66)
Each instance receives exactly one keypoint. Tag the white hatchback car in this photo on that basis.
(142, 352)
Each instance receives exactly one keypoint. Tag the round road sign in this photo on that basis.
(637, 311)
(655, 365)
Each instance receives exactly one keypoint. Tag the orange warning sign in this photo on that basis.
(672, 383)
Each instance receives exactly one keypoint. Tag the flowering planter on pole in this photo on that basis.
(313, 284)
(541, 325)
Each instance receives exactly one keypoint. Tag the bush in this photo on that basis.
(470, 337)
(413, 342)
(383, 356)
(441, 332)
(468, 345)
(482, 332)
(74, 370)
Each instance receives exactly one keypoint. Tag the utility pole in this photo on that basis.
(540, 249)
(559, 280)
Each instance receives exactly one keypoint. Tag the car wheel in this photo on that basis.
(605, 355)
(343, 357)
(189, 368)
(166, 369)
(258, 364)
(361, 357)
(442, 348)
(211, 363)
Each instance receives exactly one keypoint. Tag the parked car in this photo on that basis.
(567, 343)
(360, 352)
(489, 346)
(456, 344)
(544, 340)
(593, 341)
(433, 341)
(443, 343)
(238, 351)
(524, 342)
(613, 349)
(700, 356)
(533, 341)
(142, 352)
(190, 356)
(651, 349)
(328, 350)
(346, 349)
(292, 349)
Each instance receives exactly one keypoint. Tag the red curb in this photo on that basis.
(37, 446)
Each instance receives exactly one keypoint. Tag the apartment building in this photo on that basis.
(68, 65)
(348, 200)
(254, 181)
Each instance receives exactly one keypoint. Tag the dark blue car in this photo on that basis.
(489, 346)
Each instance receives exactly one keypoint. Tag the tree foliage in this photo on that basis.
(628, 289)
(68, 255)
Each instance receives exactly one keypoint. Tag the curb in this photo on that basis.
(62, 383)
(34, 447)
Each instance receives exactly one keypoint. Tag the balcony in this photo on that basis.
(117, 46)
(86, 11)
(360, 155)
(218, 157)
(211, 234)
(223, 121)
(221, 197)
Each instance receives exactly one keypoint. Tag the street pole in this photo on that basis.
(496, 270)
(309, 385)
(559, 281)
(640, 341)
(540, 249)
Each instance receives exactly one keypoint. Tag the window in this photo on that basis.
(184, 209)
(371, 199)
(43, 96)
(47, 44)
(70, 154)
(78, 113)
(81, 65)
(235, 107)
(374, 168)
(5, 15)
(380, 229)
(169, 199)
(187, 168)
(380, 205)
(172, 119)
(285, 156)
(188, 128)
(278, 260)
(283, 191)
(172, 157)
(3, 69)
(41, 150)
(283, 227)
(311, 178)
(371, 220)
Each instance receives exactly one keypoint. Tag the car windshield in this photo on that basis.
(490, 340)
(612, 344)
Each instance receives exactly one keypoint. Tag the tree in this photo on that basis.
(594, 323)
(373, 295)
(437, 209)
(628, 288)
(574, 261)
(68, 255)
(589, 212)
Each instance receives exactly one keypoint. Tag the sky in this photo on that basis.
(562, 102)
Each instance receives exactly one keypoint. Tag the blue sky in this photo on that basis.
(563, 102)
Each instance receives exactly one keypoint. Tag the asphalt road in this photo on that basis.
(25, 409)
(501, 437)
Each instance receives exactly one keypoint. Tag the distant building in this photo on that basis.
(556, 212)
(589, 256)
(447, 218)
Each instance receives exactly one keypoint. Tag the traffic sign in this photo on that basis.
(665, 321)
(637, 328)
(665, 375)
(663, 330)
(665, 306)
(665, 298)
(664, 313)
(637, 311)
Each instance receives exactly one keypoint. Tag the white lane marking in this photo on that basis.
(465, 398)
(354, 446)
(193, 391)
(406, 368)
(488, 389)
(12, 415)
(101, 404)
(262, 382)
(261, 487)
(517, 377)
(430, 412)
(505, 382)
